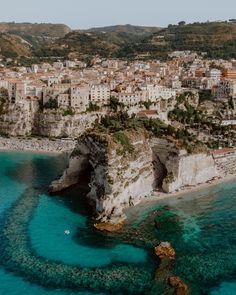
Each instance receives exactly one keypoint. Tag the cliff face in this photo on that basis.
(121, 178)
(17, 120)
(25, 120)
(182, 169)
(54, 124)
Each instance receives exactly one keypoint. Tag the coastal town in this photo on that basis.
(78, 94)
(117, 147)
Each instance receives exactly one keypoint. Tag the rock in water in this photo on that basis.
(108, 227)
(165, 251)
(180, 287)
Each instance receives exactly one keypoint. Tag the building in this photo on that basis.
(100, 94)
(230, 74)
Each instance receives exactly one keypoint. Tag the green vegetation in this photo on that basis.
(69, 112)
(115, 104)
(92, 107)
(3, 99)
(169, 178)
(146, 104)
(51, 104)
(121, 122)
(205, 95)
(123, 139)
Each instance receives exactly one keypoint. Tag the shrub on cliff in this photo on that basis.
(123, 139)
(92, 107)
(69, 112)
(51, 104)
(115, 105)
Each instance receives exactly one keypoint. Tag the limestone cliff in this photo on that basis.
(53, 123)
(26, 119)
(17, 119)
(127, 166)
(182, 169)
(120, 177)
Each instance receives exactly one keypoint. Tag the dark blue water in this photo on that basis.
(37, 257)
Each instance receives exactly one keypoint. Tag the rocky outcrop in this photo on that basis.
(17, 119)
(182, 169)
(54, 124)
(165, 251)
(25, 119)
(180, 287)
(121, 173)
(127, 166)
(108, 227)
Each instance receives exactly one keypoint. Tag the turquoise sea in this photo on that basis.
(38, 257)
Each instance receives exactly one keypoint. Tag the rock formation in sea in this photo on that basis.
(128, 166)
(165, 251)
(121, 174)
(180, 287)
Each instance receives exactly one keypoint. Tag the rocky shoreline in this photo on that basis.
(40, 145)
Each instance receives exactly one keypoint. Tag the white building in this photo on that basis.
(155, 92)
(100, 94)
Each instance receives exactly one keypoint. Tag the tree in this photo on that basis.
(182, 23)
(115, 104)
(51, 104)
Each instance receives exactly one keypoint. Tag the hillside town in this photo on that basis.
(187, 91)
(71, 84)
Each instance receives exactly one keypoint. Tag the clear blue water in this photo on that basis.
(37, 257)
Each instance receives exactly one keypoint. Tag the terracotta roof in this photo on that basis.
(147, 113)
(222, 151)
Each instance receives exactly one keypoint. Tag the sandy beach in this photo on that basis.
(186, 192)
(37, 145)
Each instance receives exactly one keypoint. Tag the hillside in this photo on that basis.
(43, 30)
(128, 29)
(81, 44)
(13, 46)
(23, 39)
(217, 39)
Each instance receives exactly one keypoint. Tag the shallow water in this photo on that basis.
(36, 254)
(37, 257)
(202, 228)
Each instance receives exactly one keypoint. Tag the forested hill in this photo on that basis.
(217, 39)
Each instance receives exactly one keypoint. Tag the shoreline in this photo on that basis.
(180, 195)
(37, 145)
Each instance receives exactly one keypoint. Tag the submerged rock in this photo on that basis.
(108, 227)
(180, 287)
(165, 251)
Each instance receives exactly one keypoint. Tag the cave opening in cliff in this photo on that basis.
(85, 176)
(75, 196)
(160, 171)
